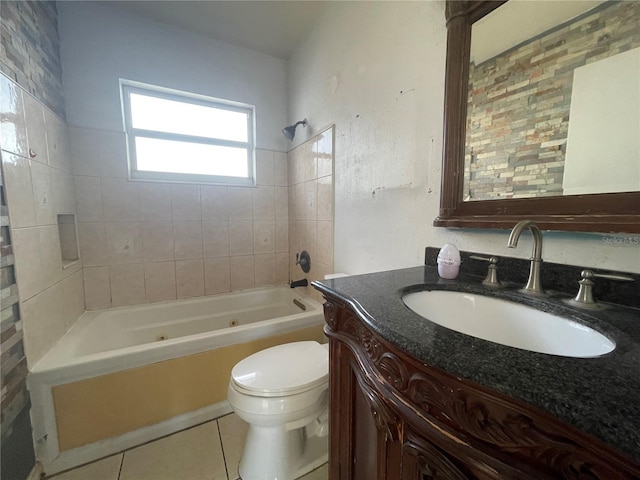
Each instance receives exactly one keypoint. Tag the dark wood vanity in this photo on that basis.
(395, 417)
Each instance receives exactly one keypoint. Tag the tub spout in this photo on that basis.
(300, 283)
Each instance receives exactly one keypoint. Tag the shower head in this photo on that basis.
(290, 131)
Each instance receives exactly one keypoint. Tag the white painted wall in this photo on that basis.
(100, 44)
(376, 70)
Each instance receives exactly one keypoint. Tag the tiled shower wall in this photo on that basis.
(148, 242)
(39, 184)
(311, 207)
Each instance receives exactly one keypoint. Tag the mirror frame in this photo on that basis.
(608, 212)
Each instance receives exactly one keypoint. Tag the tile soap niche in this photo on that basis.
(68, 232)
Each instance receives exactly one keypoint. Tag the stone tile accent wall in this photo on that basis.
(311, 208)
(518, 113)
(17, 454)
(29, 49)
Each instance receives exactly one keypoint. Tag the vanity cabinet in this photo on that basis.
(394, 417)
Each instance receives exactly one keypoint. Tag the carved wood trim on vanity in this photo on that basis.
(431, 425)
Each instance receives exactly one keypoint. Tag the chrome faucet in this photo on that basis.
(534, 284)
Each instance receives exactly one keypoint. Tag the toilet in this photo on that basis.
(282, 393)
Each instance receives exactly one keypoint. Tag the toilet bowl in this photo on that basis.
(282, 393)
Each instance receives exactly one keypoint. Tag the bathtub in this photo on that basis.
(124, 376)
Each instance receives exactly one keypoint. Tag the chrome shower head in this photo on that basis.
(290, 131)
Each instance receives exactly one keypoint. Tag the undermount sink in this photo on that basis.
(508, 323)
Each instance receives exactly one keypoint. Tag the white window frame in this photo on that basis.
(127, 87)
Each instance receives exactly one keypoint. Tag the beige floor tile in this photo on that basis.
(194, 454)
(321, 473)
(233, 431)
(105, 469)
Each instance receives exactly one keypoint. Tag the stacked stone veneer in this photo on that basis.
(30, 50)
(519, 101)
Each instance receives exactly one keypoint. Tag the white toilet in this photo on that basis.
(282, 393)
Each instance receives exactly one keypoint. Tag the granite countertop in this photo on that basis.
(600, 396)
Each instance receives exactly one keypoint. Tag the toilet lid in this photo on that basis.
(283, 370)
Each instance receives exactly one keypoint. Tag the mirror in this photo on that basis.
(501, 178)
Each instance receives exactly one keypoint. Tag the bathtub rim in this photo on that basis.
(57, 365)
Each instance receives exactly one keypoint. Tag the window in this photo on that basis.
(177, 136)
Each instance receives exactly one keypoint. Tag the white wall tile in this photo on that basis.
(44, 323)
(187, 240)
(50, 252)
(264, 205)
(215, 236)
(240, 203)
(124, 242)
(13, 128)
(310, 200)
(241, 238)
(36, 134)
(155, 201)
(265, 167)
(294, 165)
(89, 199)
(282, 203)
(217, 275)
(282, 237)
(325, 199)
(97, 287)
(121, 200)
(281, 169)
(112, 154)
(17, 172)
(323, 149)
(93, 244)
(264, 236)
(282, 268)
(215, 202)
(63, 191)
(42, 194)
(157, 241)
(127, 284)
(325, 243)
(29, 268)
(185, 202)
(160, 281)
(265, 270)
(73, 298)
(57, 141)
(189, 278)
(83, 143)
(242, 272)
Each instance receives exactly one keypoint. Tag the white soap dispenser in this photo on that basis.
(449, 261)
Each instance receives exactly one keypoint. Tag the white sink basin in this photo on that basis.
(508, 323)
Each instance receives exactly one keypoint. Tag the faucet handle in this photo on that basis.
(491, 280)
(584, 298)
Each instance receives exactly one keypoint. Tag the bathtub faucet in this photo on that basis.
(300, 283)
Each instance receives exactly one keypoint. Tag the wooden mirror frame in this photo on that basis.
(610, 212)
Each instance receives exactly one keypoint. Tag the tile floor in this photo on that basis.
(210, 451)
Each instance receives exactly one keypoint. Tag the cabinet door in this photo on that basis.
(364, 432)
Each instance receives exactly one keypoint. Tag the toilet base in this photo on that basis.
(274, 454)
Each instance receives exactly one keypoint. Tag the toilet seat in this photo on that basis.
(282, 370)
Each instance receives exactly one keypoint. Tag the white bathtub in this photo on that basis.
(115, 344)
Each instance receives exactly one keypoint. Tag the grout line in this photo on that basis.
(224, 457)
(121, 465)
